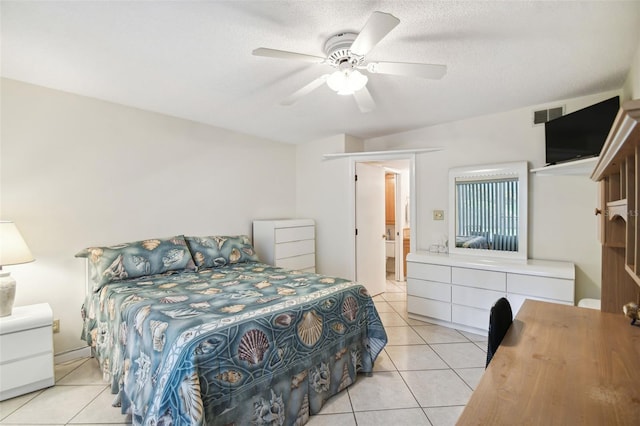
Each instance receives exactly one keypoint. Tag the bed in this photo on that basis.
(196, 331)
(472, 241)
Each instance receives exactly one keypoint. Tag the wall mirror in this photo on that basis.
(488, 210)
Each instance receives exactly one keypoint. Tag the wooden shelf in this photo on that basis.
(623, 137)
(571, 168)
(390, 153)
(631, 270)
(616, 172)
(617, 208)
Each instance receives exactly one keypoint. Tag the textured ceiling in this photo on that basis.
(193, 59)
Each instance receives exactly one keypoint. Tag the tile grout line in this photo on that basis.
(403, 378)
(467, 340)
(353, 410)
(449, 365)
(36, 393)
(86, 405)
(72, 370)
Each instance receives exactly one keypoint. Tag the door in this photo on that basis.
(370, 228)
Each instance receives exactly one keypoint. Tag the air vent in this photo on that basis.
(544, 115)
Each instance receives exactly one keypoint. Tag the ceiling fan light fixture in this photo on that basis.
(346, 52)
(346, 82)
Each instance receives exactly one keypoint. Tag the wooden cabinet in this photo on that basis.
(617, 172)
(406, 244)
(458, 291)
(26, 350)
(612, 226)
(287, 243)
(390, 198)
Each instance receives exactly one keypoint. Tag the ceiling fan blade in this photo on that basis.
(305, 90)
(434, 71)
(364, 100)
(283, 54)
(376, 28)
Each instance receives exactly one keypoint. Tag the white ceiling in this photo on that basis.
(193, 59)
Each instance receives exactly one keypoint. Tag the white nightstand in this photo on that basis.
(26, 350)
(287, 243)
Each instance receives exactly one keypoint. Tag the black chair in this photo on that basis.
(500, 320)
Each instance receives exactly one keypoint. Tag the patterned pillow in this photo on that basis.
(210, 252)
(137, 259)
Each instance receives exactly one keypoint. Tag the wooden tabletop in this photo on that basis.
(561, 365)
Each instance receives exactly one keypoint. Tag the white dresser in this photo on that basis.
(458, 291)
(287, 243)
(26, 350)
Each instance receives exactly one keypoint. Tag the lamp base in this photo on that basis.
(7, 293)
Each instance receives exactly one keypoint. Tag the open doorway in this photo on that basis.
(393, 237)
(397, 218)
(397, 225)
(390, 183)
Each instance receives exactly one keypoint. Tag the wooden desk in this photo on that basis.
(561, 365)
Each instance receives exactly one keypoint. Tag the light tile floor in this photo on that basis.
(424, 376)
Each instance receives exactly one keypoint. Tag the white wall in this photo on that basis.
(631, 89)
(322, 194)
(562, 225)
(76, 172)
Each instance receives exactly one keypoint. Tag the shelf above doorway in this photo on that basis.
(571, 168)
(379, 153)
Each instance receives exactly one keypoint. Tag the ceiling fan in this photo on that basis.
(347, 53)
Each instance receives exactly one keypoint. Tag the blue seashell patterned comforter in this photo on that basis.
(241, 344)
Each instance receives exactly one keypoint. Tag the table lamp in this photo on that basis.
(13, 251)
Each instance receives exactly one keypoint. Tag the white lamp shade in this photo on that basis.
(13, 249)
(346, 82)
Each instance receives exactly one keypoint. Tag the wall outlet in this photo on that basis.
(56, 326)
(438, 215)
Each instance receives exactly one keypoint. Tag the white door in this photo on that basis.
(370, 226)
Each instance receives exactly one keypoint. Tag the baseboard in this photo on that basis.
(448, 324)
(28, 388)
(72, 354)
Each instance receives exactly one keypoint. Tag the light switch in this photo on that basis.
(438, 215)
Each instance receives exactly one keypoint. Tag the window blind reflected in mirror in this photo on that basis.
(487, 214)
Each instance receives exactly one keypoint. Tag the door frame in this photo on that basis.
(351, 208)
(399, 237)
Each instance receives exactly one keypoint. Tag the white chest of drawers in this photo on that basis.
(26, 350)
(459, 291)
(287, 243)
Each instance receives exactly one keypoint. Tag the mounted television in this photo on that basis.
(580, 134)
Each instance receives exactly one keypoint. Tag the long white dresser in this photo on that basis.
(287, 243)
(458, 291)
